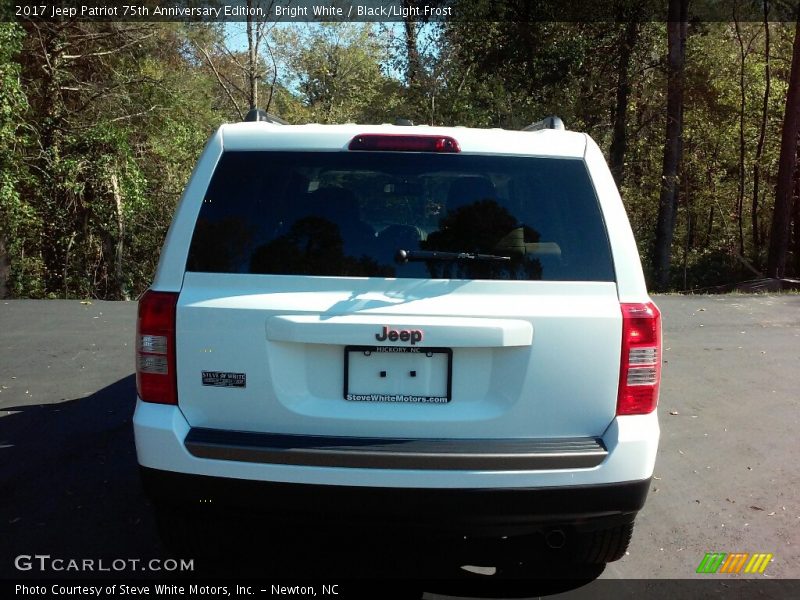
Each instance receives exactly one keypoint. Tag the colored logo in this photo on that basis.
(735, 562)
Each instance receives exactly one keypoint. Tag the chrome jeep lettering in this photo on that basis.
(402, 335)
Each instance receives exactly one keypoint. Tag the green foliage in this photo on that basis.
(18, 220)
(336, 72)
(115, 122)
(101, 123)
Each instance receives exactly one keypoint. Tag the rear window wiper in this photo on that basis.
(404, 256)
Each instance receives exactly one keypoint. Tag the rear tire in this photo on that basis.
(603, 546)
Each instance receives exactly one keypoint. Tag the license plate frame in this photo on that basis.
(398, 398)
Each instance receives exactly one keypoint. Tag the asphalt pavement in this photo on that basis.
(726, 479)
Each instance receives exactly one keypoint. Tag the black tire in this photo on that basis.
(603, 546)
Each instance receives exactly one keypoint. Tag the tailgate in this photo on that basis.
(372, 357)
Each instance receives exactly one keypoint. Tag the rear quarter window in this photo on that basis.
(349, 213)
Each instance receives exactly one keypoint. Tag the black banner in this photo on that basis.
(388, 10)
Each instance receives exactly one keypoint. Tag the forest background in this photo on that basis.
(101, 123)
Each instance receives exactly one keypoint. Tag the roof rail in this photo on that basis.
(551, 122)
(256, 114)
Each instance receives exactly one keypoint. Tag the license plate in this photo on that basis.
(398, 374)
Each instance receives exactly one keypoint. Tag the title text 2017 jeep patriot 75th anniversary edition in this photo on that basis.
(447, 327)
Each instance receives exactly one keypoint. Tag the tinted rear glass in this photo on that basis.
(349, 213)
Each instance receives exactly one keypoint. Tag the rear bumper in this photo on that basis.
(468, 511)
(625, 452)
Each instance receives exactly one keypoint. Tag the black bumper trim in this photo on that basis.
(495, 509)
(382, 453)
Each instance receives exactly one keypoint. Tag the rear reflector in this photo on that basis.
(155, 348)
(640, 365)
(390, 142)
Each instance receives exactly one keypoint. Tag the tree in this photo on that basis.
(779, 231)
(240, 73)
(619, 142)
(413, 60)
(337, 70)
(754, 222)
(668, 202)
(16, 218)
(100, 97)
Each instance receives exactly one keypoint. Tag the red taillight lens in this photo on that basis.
(389, 142)
(155, 348)
(640, 366)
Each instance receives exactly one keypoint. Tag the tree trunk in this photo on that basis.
(796, 244)
(53, 111)
(119, 247)
(619, 141)
(779, 231)
(413, 66)
(5, 267)
(710, 228)
(742, 106)
(252, 59)
(760, 145)
(667, 206)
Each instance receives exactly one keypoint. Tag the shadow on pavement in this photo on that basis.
(69, 488)
(68, 480)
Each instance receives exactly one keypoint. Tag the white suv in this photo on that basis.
(443, 327)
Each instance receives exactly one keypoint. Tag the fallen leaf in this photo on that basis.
(86, 302)
(754, 507)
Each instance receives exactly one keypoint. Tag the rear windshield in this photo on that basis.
(401, 214)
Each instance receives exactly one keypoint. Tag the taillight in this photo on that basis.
(155, 348)
(640, 366)
(390, 142)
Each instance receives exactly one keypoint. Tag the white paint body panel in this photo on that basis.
(507, 381)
